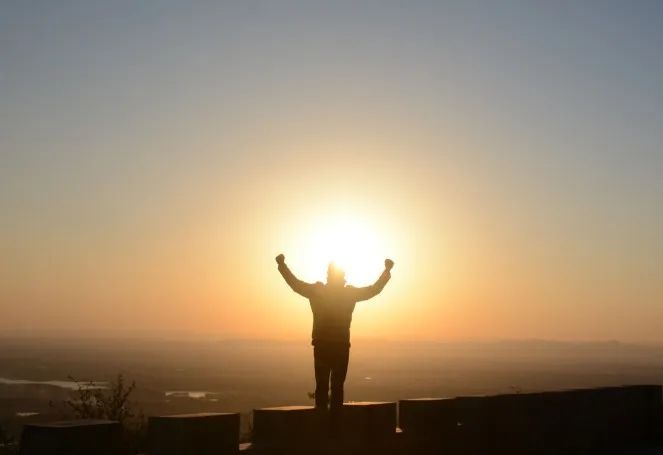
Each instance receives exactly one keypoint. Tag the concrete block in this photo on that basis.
(288, 426)
(647, 400)
(570, 421)
(206, 433)
(427, 417)
(75, 437)
(513, 423)
(622, 416)
(246, 448)
(431, 425)
(368, 422)
(521, 423)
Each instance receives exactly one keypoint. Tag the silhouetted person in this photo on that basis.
(332, 305)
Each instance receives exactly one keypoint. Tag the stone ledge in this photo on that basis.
(71, 437)
(368, 422)
(287, 426)
(204, 433)
(569, 420)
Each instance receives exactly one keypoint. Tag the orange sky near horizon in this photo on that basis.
(156, 158)
(466, 268)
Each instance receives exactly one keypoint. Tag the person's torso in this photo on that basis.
(332, 313)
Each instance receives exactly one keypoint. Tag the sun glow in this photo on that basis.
(352, 243)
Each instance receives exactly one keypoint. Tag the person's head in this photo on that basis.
(335, 275)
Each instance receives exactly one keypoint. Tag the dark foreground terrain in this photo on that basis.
(204, 376)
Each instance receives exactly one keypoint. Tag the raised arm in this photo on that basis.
(300, 287)
(374, 289)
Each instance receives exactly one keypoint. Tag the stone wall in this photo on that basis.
(579, 421)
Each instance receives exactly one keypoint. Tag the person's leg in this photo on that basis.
(339, 370)
(322, 368)
(340, 357)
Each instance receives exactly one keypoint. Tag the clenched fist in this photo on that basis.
(388, 264)
(280, 259)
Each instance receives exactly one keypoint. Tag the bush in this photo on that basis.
(94, 402)
(110, 403)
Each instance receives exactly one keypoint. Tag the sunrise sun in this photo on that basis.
(353, 243)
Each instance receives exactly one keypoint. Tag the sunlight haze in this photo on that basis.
(156, 156)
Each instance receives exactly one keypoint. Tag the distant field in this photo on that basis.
(179, 376)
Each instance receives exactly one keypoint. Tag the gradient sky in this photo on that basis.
(157, 155)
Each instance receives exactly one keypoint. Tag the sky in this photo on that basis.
(156, 156)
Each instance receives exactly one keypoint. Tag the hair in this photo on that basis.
(335, 274)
